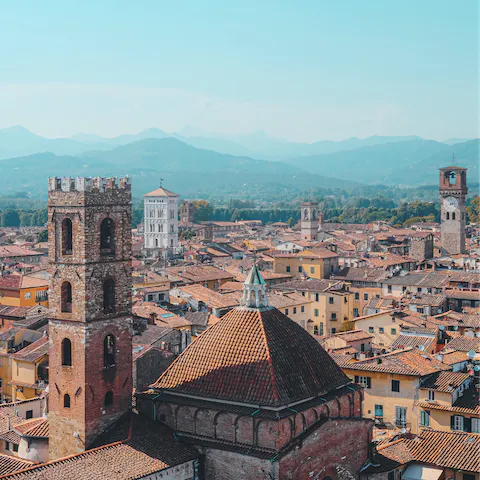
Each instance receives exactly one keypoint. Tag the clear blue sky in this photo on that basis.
(305, 70)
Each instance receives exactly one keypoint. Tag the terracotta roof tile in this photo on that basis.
(36, 427)
(254, 356)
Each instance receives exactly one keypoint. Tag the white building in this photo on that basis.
(161, 220)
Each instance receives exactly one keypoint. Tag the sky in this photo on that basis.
(303, 70)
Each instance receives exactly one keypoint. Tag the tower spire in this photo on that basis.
(254, 290)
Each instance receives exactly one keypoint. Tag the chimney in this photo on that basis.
(151, 318)
(8, 423)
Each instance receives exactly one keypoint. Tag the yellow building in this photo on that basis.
(331, 307)
(29, 370)
(23, 291)
(448, 401)
(295, 306)
(315, 263)
(392, 386)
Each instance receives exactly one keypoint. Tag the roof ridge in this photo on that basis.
(269, 359)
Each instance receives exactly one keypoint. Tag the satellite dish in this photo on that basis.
(455, 327)
(403, 430)
(442, 327)
(421, 348)
(471, 354)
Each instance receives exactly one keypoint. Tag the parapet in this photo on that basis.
(88, 184)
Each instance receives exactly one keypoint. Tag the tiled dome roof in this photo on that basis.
(257, 356)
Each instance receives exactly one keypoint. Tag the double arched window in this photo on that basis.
(109, 351)
(67, 237)
(107, 236)
(109, 296)
(66, 297)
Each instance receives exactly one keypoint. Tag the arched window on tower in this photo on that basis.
(109, 296)
(453, 216)
(66, 297)
(107, 236)
(448, 216)
(66, 352)
(108, 399)
(109, 351)
(67, 237)
(66, 401)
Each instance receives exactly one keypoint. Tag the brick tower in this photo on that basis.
(309, 220)
(90, 357)
(453, 190)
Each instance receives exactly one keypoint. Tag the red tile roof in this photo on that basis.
(254, 356)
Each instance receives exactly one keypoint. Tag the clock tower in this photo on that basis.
(453, 190)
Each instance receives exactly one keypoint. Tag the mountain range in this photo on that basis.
(193, 162)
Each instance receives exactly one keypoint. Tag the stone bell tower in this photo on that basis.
(453, 190)
(309, 220)
(90, 356)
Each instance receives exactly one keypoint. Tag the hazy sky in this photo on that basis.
(304, 70)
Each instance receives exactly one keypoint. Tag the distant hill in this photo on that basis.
(185, 169)
(413, 162)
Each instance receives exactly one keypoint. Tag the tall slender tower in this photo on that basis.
(309, 220)
(161, 220)
(90, 356)
(453, 190)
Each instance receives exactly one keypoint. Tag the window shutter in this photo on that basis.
(452, 422)
(357, 379)
(369, 383)
(467, 424)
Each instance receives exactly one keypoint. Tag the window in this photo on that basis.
(476, 425)
(286, 311)
(316, 297)
(67, 237)
(7, 445)
(66, 297)
(381, 330)
(15, 447)
(431, 395)
(321, 329)
(315, 312)
(420, 310)
(300, 269)
(448, 216)
(404, 289)
(29, 414)
(302, 309)
(27, 295)
(334, 317)
(365, 381)
(357, 296)
(419, 289)
(400, 416)
(330, 300)
(371, 329)
(41, 296)
(395, 386)
(394, 331)
(425, 418)
(333, 330)
(287, 269)
(389, 289)
(315, 329)
(294, 310)
(66, 352)
(391, 475)
(365, 296)
(109, 296)
(1, 383)
(66, 401)
(109, 351)
(107, 235)
(362, 347)
(453, 216)
(468, 476)
(379, 411)
(108, 399)
(457, 422)
(355, 312)
(312, 269)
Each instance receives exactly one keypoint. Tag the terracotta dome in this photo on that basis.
(256, 356)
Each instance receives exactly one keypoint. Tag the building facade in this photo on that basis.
(161, 220)
(89, 235)
(453, 190)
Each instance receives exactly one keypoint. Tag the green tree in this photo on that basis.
(202, 210)
(236, 215)
(43, 236)
(10, 218)
(473, 210)
(291, 222)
